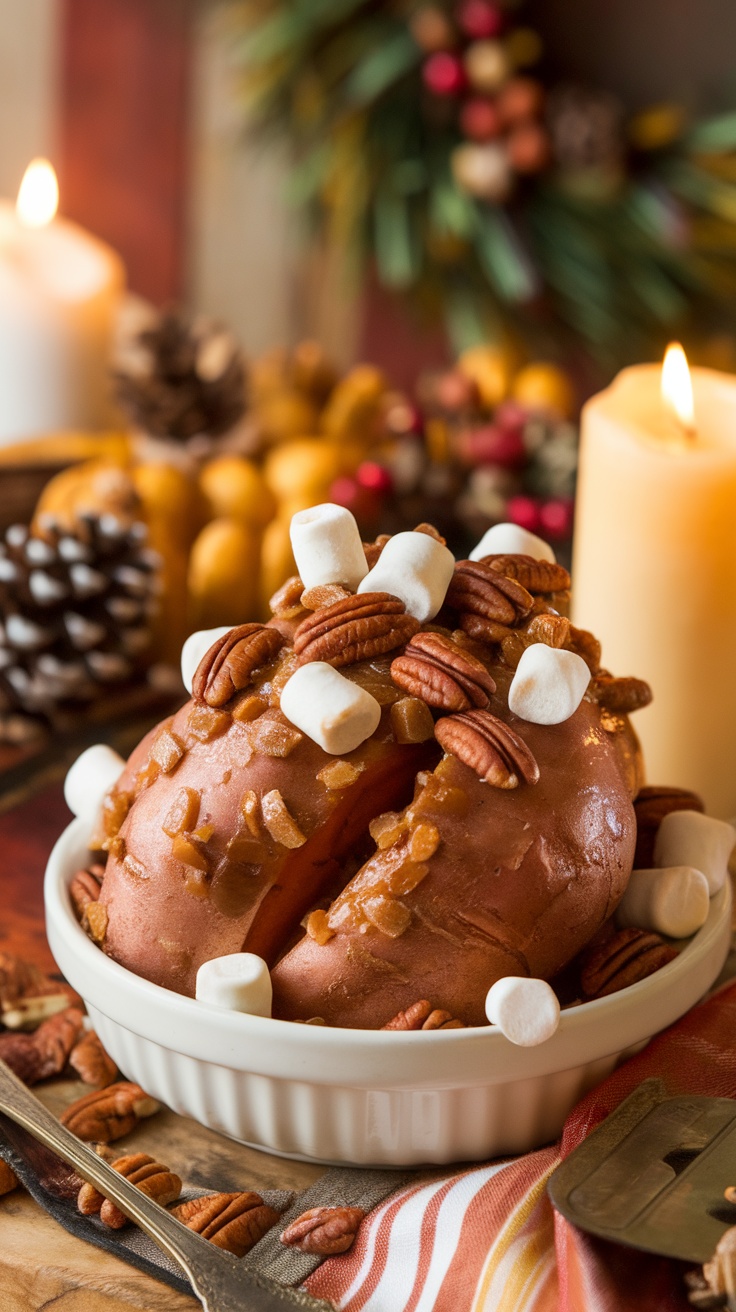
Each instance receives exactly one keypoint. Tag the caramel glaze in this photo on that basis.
(520, 881)
(166, 917)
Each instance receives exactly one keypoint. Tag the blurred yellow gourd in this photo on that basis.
(97, 486)
(171, 497)
(544, 386)
(304, 469)
(234, 487)
(352, 409)
(490, 369)
(224, 568)
(284, 414)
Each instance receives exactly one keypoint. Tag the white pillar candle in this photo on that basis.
(59, 292)
(654, 570)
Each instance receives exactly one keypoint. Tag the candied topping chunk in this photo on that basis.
(424, 841)
(249, 708)
(167, 750)
(186, 850)
(183, 812)
(279, 821)
(387, 828)
(204, 723)
(134, 868)
(411, 721)
(96, 918)
(340, 774)
(249, 809)
(273, 738)
(318, 928)
(387, 915)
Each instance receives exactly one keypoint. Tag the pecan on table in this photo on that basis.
(423, 1016)
(148, 1175)
(27, 996)
(651, 805)
(8, 1179)
(92, 1064)
(629, 956)
(442, 674)
(488, 746)
(85, 888)
(537, 576)
(38, 1056)
(324, 1230)
(230, 663)
(357, 628)
(109, 1113)
(489, 603)
(234, 1221)
(622, 696)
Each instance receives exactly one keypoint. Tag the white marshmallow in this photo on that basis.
(417, 569)
(331, 710)
(327, 546)
(194, 649)
(525, 1010)
(240, 982)
(86, 783)
(673, 901)
(687, 838)
(549, 684)
(511, 540)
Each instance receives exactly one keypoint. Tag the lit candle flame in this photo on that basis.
(38, 198)
(677, 386)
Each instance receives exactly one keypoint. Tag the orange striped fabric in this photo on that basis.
(487, 1239)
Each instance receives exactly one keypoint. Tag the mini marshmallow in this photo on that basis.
(92, 774)
(194, 649)
(511, 540)
(331, 710)
(549, 684)
(673, 901)
(327, 546)
(239, 982)
(417, 569)
(525, 1010)
(687, 838)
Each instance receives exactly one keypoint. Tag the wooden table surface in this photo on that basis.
(42, 1267)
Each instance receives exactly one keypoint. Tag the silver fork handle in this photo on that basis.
(218, 1279)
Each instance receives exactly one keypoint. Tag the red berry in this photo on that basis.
(492, 446)
(479, 119)
(443, 74)
(524, 511)
(374, 478)
(481, 20)
(556, 518)
(347, 492)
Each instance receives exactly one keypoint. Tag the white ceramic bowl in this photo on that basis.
(359, 1096)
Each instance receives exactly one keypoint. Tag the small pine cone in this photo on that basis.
(234, 1222)
(324, 1230)
(182, 377)
(75, 613)
(423, 1016)
(153, 1180)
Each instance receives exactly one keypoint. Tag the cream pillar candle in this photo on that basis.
(59, 293)
(654, 570)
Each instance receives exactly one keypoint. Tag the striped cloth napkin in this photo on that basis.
(488, 1240)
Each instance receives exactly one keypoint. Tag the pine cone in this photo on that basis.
(182, 377)
(585, 128)
(75, 613)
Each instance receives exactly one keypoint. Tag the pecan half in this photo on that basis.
(324, 1230)
(478, 589)
(108, 1114)
(85, 888)
(148, 1175)
(325, 594)
(8, 1178)
(92, 1064)
(585, 644)
(44, 1053)
(431, 532)
(229, 664)
(537, 576)
(651, 805)
(27, 996)
(234, 1222)
(442, 674)
(373, 549)
(423, 1016)
(354, 629)
(629, 956)
(619, 695)
(486, 744)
